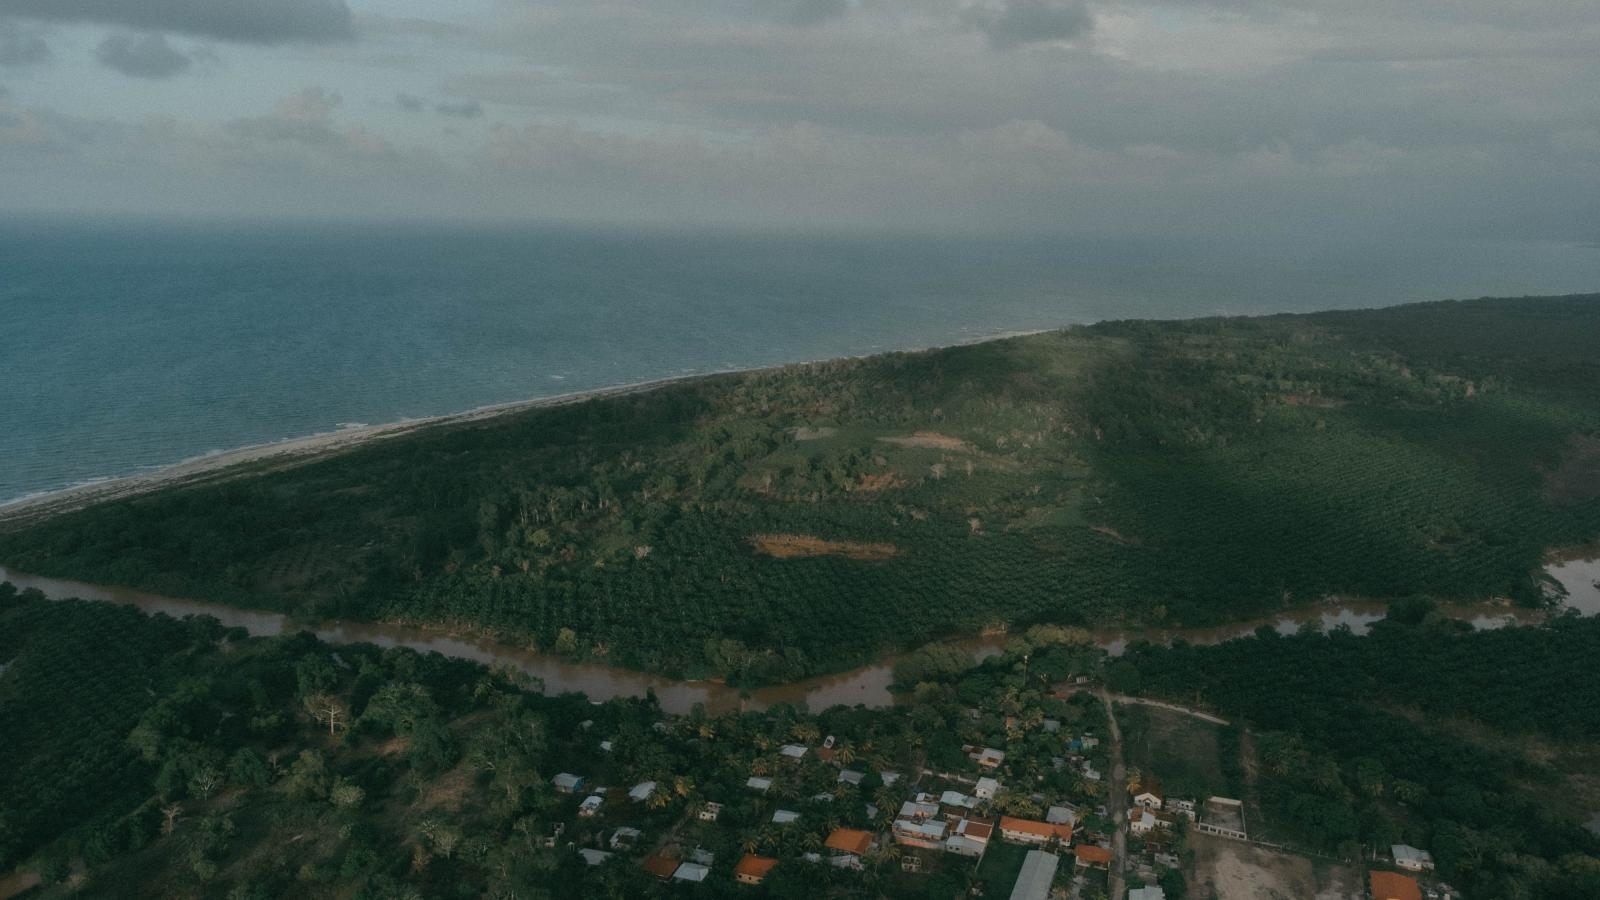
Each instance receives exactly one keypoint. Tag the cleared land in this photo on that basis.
(1231, 870)
(1177, 751)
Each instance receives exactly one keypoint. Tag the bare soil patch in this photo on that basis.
(878, 481)
(1578, 476)
(1316, 401)
(795, 546)
(1233, 870)
(931, 440)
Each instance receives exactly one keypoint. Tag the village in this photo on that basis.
(1047, 805)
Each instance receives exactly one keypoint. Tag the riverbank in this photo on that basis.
(869, 685)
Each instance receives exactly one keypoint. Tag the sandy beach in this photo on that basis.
(290, 452)
(298, 451)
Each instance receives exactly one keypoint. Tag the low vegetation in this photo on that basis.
(1147, 473)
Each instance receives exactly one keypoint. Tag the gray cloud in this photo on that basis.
(464, 109)
(409, 102)
(141, 56)
(815, 12)
(1020, 22)
(21, 47)
(244, 21)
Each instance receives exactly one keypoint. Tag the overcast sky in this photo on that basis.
(1339, 117)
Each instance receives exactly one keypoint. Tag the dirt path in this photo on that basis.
(1116, 801)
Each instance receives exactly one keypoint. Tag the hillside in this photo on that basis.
(768, 525)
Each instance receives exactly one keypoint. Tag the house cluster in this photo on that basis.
(1405, 885)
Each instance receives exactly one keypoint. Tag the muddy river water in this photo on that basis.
(868, 685)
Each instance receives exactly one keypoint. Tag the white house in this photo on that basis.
(691, 872)
(956, 798)
(990, 758)
(593, 857)
(1038, 871)
(986, 789)
(917, 812)
(889, 778)
(568, 783)
(625, 837)
(1153, 892)
(1148, 799)
(793, 751)
(784, 816)
(1409, 857)
(1061, 815)
(710, 811)
(851, 776)
(642, 791)
(1183, 807)
(590, 807)
(759, 784)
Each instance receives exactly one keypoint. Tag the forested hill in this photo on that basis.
(769, 525)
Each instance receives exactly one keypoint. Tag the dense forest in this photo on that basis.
(1476, 744)
(152, 757)
(770, 525)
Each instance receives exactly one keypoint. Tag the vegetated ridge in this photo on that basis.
(769, 525)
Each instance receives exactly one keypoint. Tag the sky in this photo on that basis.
(1335, 118)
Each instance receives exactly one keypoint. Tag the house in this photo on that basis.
(1224, 817)
(1028, 831)
(1061, 815)
(851, 776)
(642, 791)
(1050, 725)
(549, 840)
(986, 789)
(703, 856)
(1393, 886)
(625, 837)
(1149, 798)
(848, 846)
(660, 866)
(1090, 772)
(929, 834)
(1147, 893)
(795, 752)
(606, 746)
(568, 783)
(969, 837)
(1091, 857)
(1141, 820)
(753, 869)
(990, 758)
(1410, 858)
(593, 857)
(1181, 807)
(918, 812)
(758, 784)
(784, 816)
(709, 812)
(956, 798)
(590, 807)
(889, 778)
(1038, 871)
(691, 871)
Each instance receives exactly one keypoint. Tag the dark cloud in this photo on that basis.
(465, 109)
(146, 56)
(19, 47)
(409, 102)
(1020, 22)
(244, 21)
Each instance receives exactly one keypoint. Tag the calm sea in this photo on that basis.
(124, 348)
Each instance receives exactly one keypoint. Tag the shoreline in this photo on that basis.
(294, 451)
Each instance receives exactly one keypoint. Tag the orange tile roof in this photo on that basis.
(660, 866)
(1394, 886)
(850, 841)
(753, 866)
(1040, 829)
(1090, 854)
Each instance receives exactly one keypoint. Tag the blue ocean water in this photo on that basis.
(135, 346)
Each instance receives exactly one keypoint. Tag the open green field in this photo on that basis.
(1179, 753)
(770, 525)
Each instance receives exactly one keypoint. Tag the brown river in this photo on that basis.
(868, 685)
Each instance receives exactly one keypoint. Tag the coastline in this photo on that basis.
(309, 448)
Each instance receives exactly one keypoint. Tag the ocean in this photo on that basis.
(128, 347)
